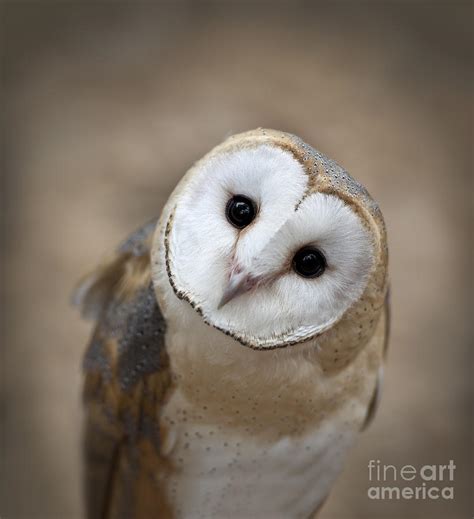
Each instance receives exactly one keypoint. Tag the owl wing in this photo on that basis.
(126, 378)
(375, 401)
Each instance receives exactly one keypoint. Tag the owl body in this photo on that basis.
(242, 451)
(240, 339)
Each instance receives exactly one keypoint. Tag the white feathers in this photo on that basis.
(292, 476)
(203, 241)
(285, 308)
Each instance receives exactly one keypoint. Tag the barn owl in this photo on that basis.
(239, 341)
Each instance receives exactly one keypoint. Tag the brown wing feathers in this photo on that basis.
(375, 401)
(126, 381)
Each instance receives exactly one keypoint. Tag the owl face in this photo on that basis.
(260, 252)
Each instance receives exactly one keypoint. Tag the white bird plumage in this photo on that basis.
(255, 379)
(203, 248)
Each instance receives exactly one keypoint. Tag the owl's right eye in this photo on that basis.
(240, 211)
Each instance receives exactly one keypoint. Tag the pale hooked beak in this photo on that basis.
(239, 283)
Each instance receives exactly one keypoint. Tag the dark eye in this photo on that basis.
(240, 211)
(309, 262)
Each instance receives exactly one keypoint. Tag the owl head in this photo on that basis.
(271, 243)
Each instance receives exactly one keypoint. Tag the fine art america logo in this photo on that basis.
(409, 482)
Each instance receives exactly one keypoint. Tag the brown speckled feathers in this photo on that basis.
(126, 380)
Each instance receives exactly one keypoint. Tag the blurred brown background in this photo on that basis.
(106, 105)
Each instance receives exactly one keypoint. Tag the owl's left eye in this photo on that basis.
(240, 211)
(309, 262)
